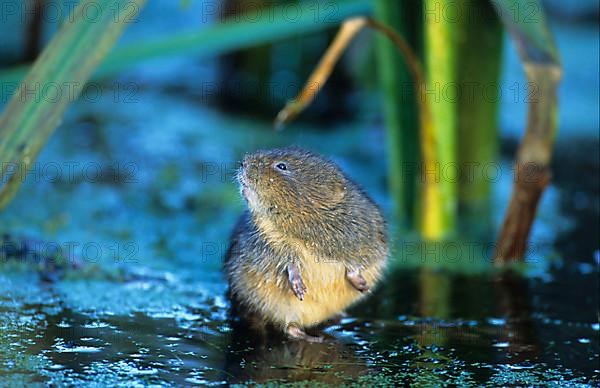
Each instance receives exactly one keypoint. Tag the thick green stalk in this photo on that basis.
(441, 49)
(54, 81)
(401, 113)
(478, 76)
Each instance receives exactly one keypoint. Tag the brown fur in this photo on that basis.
(310, 215)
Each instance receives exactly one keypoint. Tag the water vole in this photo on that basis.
(311, 244)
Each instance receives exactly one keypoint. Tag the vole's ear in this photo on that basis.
(339, 192)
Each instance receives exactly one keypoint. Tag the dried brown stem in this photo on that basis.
(532, 172)
(350, 28)
(348, 31)
(541, 62)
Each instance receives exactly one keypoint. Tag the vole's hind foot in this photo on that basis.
(296, 281)
(296, 333)
(357, 280)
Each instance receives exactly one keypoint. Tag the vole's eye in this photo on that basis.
(281, 166)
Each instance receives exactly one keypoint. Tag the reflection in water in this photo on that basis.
(258, 358)
(511, 302)
(435, 287)
(519, 333)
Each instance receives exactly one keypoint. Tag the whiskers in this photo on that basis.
(236, 175)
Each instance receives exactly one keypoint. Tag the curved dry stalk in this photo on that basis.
(541, 62)
(350, 28)
(348, 31)
(532, 169)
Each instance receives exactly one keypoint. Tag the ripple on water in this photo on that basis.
(77, 349)
(97, 325)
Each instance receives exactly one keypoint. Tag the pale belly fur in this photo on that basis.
(328, 292)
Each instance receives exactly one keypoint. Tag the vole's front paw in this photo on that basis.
(296, 281)
(357, 280)
(299, 288)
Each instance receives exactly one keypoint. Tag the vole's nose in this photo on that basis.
(245, 163)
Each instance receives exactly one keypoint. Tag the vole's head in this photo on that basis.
(290, 183)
